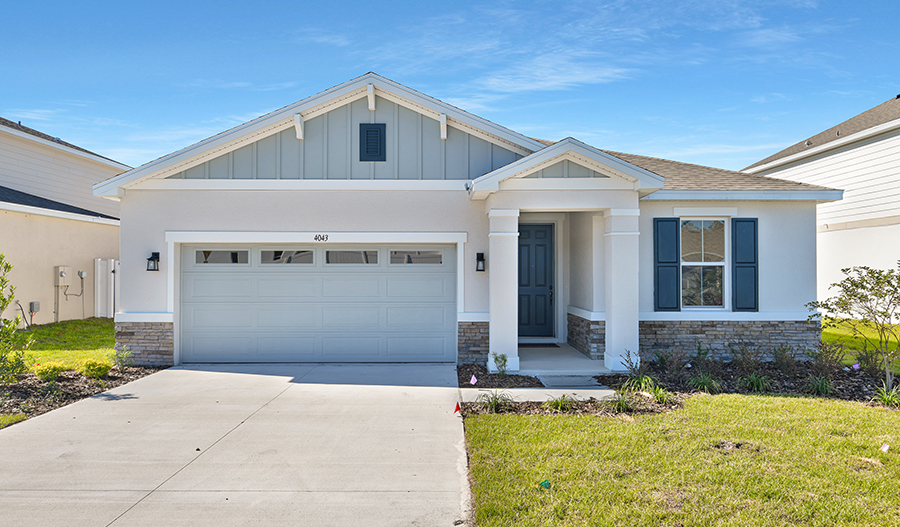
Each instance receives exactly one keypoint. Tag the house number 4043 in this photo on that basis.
(320, 237)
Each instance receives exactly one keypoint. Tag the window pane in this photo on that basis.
(691, 241)
(351, 257)
(711, 283)
(714, 241)
(286, 257)
(416, 257)
(690, 285)
(222, 257)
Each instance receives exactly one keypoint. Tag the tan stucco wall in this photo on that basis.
(35, 244)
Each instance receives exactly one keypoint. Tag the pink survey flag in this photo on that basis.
(885, 447)
(473, 380)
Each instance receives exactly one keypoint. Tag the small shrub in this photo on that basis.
(122, 358)
(563, 403)
(13, 343)
(93, 369)
(500, 361)
(639, 378)
(756, 383)
(12, 366)
(785, 358)
(705, 382)
(827, 359)
(745, 358)
(888, 397)
(818, 385)
(48, 371)
(621, 402)
(671, 361)
(494, 402)
(703, 360)
(870, 360)
(661, 395)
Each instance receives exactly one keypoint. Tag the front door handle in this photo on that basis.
(551, 295)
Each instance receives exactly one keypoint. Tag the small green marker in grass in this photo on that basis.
(544, 484)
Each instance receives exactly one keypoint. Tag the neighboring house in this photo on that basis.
(861, 156)
(371, 222)
(50, 218)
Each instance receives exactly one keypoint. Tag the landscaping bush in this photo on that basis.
(784, 357)
(705, 382)
(827, 359)
(94, 369)
(746, 359)
(756, 383)
(671, 361)
(48, 371)
(122, 358)
(563, 403)
(494, 402)
(12, 343)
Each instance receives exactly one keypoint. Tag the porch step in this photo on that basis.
(568, 381)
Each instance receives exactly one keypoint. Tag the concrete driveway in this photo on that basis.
(242, 445)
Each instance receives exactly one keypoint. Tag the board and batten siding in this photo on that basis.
(330, 150)
(867, 171)
(50, 173)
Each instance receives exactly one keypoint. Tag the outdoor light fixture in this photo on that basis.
(479, 261)
(153, 262)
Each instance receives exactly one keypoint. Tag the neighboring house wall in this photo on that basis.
(28, 165)
(34, 244)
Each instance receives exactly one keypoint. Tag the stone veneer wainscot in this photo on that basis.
(588, 337)
(473, 343)
(151, 343)
(717, 335)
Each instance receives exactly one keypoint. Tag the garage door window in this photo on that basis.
(351, 257)
(286, 257)
(416, 257)
(222, 257)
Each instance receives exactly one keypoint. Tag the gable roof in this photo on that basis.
(368, 85)
(24, 131)
(15, 197)
(885, 115)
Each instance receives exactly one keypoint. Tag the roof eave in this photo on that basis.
(818, 195)
(84, 155)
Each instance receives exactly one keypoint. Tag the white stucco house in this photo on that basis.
(862, 156)
(371, 222)
(50, 220)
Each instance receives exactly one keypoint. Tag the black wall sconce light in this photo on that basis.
(153, 262)
(479, 261)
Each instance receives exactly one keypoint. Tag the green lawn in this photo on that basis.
(800, 462)
(72, 341)
(8, 419)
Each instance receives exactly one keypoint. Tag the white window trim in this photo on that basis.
(726, 264)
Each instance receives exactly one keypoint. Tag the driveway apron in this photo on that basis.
(262, 444)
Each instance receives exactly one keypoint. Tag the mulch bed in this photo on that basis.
(464, 373)
(639, 404)
(32, 396)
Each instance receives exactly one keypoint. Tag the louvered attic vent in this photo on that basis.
(371, 142)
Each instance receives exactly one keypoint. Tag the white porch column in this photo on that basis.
(621, 285)
(503, 264)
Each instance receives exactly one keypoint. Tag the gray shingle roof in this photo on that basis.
(31, 131)
(883, 113)
(16, 197)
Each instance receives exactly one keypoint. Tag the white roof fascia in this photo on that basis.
(312, 107)
(837, 143)
(819, 196)
(64, 148)
(39, 211)
(567, 149)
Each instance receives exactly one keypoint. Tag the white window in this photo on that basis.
(703, 255)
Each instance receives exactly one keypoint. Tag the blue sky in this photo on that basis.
(720, 83)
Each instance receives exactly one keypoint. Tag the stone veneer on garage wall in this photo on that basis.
(151, 343)
(587, 336)
(716, 335)
(473, 343)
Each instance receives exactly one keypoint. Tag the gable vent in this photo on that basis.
(372, 142)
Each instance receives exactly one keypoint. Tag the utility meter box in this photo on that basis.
(34, 307)
(63, 275)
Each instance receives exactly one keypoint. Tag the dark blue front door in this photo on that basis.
(535, 280)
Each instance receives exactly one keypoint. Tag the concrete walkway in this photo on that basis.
(245, 445)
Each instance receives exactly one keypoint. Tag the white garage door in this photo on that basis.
(318, 304)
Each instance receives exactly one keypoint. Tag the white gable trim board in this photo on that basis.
(579, 222)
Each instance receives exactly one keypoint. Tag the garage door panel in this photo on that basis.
(217, 287)
(286, 287)
(203, 317)
(288, 317)
(351, 288)
(351, 317)
(417, 316)
(317, 312)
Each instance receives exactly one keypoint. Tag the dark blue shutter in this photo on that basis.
(745, 264)
(666, 265)
(371, 142)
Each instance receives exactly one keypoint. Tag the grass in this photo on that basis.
(722, 460)
(8, 419)
(853, 344)
(73, 341)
